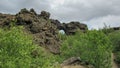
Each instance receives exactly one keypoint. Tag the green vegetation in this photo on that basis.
(115, 40)
(17, 49)
(93, 46)
(114, 37)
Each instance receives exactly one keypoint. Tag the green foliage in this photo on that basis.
(15, 48)
(93, 46)
(44, 59)
(117, 55)
(115, 40)
(107, 29)
(62, 36)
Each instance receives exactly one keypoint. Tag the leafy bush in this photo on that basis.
(45, 59)
(115, 40)
(117, 55)
(15, 48)
(107, 29)
(93, 46)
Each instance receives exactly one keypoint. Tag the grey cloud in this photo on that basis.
(13, 6)
(87, 11)
(110, 20)
(69, 10)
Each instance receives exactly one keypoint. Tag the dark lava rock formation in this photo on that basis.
(70, 28)
(44, 30)
(115, 28)
(5, 19)
(76, 61)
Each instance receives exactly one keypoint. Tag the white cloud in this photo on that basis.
(56, 3)
(110, 20)
(91, 11)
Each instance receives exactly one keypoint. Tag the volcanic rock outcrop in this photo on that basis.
(5, 19)
(115, 28)
(45, 33)
(70, 28)
(44, 30)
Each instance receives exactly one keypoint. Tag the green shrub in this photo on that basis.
(107, 29)
(115, 40)
(93, 46)
(62, 36)
(117, 55)
(45, 59)
(15, 48)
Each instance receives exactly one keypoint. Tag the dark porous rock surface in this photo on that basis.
(72, 27)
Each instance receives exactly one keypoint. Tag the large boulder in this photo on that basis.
(45, 15)
(73, 61)
(115, 28)
(72, 27)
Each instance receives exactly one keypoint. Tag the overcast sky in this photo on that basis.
(92, 12)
